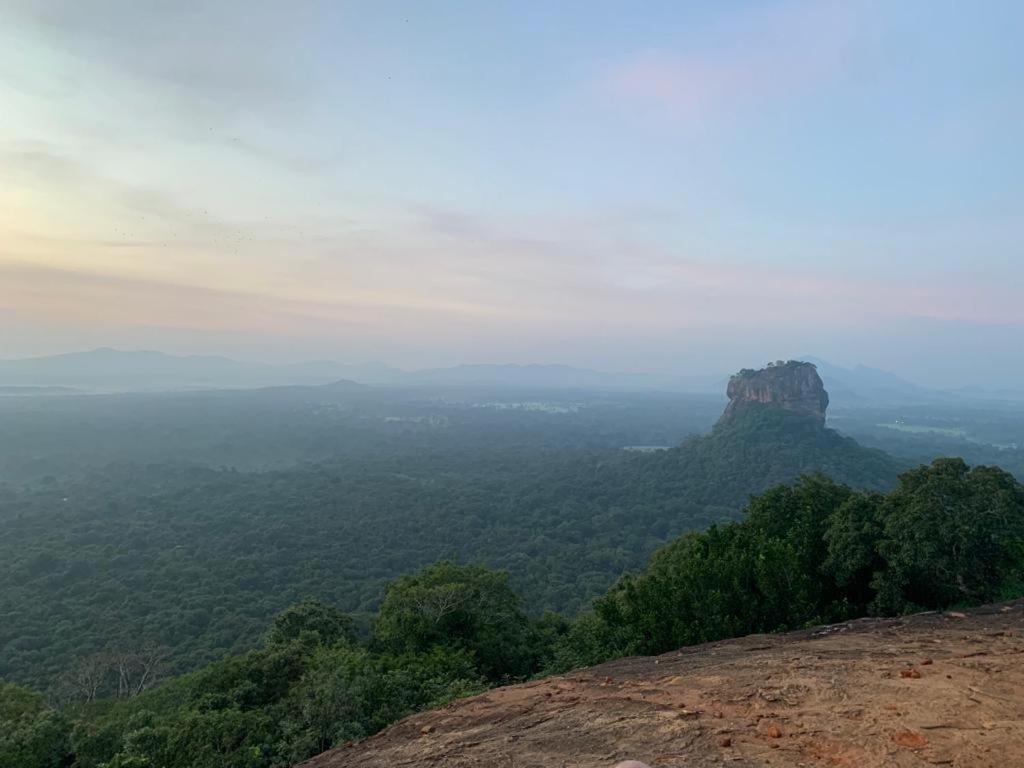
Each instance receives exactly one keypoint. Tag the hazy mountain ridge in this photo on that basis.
(111, 370)
(108, 369)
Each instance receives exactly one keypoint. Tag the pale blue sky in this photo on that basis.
(646, 186)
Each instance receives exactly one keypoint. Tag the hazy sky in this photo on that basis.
(678, 186)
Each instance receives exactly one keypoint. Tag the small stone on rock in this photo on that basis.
(910, 739)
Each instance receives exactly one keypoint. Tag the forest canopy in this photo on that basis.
(811, 552)
(198, 560)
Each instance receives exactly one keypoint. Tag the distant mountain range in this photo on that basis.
(111, 370)
(861, 385)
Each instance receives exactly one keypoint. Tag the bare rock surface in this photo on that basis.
(841, 695)
(793, 386)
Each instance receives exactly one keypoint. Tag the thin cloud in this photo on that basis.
(764, 55)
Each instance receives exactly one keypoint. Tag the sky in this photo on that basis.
(684, 187)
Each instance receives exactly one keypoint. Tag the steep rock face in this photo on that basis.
(794, 386)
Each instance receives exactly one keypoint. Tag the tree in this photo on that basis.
(86, 679)
(349, 693)
(851, 540)
(731, 580)
(951, 535)
(468, 607)
(800, 515)
(31, 734)
(312, 623)
(138, 668)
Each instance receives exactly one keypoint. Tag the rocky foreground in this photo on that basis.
(930, 689)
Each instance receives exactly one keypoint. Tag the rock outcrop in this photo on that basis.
(793, 386)
(932, 689)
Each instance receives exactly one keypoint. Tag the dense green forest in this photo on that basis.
(246, 578)
(197, 560)
(814, 551)
(278, 427)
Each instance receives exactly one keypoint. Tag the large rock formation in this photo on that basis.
(793, 386)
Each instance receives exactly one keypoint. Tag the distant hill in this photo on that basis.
(34, 390)
(111, 370)
(862, 385)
